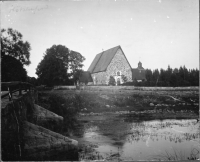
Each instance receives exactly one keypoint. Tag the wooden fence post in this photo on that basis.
(20, 89)
(26, 88)
(10, 94)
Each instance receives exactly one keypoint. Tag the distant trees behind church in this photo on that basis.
(171, 77)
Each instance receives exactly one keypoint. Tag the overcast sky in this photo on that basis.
(156, 32)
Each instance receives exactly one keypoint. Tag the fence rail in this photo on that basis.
(16, 86)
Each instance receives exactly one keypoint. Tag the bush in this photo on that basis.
(112, 81)
(128, 84)
(124, 78)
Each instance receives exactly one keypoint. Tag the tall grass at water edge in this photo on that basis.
(177, 155)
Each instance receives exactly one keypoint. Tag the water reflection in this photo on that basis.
(144, 140)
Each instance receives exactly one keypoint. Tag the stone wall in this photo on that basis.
(118, 64)
(99, 78)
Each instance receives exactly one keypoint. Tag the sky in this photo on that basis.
(156, 32)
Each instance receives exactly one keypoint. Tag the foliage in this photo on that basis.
(171, 77)
(68, 108)
(58, 65)
(124, 78)
(112, 81)
(12, 69)
(13, 45)
(32, 80)
(177, 156)
(52, 70)
(75, 64)
(14, 54)
(77, 75)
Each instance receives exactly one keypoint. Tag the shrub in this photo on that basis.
(124, 78)
(112, 81)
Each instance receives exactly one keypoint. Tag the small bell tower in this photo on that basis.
(139, 65)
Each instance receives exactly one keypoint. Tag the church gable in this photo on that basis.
(119, 66)
(116, 67)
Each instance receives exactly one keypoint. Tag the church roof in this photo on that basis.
(103, 59)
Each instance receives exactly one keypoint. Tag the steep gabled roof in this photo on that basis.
(103, 59)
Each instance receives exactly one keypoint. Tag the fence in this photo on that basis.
(12, 87)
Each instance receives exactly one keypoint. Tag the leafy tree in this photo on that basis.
(12, 44)
(75, 64)
(32, 80)
(52, 70)
(14, 54)
(12, 69)
(77, 75)
(58, 65)
(112, 81)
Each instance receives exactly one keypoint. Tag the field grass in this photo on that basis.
(112, 100)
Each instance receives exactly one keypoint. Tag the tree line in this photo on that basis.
(171, 77)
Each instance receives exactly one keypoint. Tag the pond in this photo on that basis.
(116, 137)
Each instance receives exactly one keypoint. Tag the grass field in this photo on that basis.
(155, 104)
(100, 100)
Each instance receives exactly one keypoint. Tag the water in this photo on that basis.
(115, 138)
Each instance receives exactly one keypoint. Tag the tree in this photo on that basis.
(12, 69)
(155, 77)
(168, 75)
(52, 70)
(75, 64)
(58, 65)
(148, 74)
(77, 75)
(32, 80)
(13, 45)
(14, 54)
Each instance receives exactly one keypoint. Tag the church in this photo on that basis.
(113, 62)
